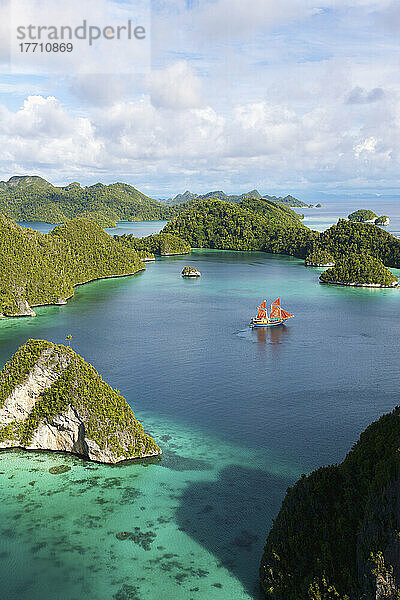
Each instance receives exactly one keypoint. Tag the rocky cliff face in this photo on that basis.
(337, 533)
(51, 399)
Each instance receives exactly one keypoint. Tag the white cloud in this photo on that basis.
(291, 92)
(42, 133)
(176, 86)
(255, 142)
(368, 146)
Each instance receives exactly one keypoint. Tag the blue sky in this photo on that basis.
(291, 97)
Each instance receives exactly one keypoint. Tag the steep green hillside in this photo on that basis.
(259, 224)
(34, 199)
(50, 398)
(337, 534)
(243, 226)
(319, 258)
(358, 269)
(361, 238)
(38, 268)
(163, 244)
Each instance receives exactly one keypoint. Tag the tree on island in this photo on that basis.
(383, 220)
(356, 269)
(319, 258)
(362, 216)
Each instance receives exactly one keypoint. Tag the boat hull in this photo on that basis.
(254, 323)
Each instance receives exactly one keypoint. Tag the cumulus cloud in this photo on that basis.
(176, 86)
(360, 95)
(257, 141)
(41, 133)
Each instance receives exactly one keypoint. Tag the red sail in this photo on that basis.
(276, 309)
(262, 310)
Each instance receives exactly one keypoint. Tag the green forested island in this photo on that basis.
(41, 269)
(229, 226)
(359, 270)
(368, 216)
(263, 225)
(362, 216)
(37, 268)
(360, 238)
(163, 244)
(336, 536)
(31, 198)
(220, 195)
(51, 399)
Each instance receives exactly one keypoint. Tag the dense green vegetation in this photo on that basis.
(319, 258)
(336, 535)
(108, 419)
(248, 225)
(220, 195)
(360, 238)
(44, 268)
(162, 244)
(258, 224)
(287, 201)
(359, 269)
(34, 199)
(362, 215)
(17, 369)
(383, 220)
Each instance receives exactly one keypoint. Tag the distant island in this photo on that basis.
(359, 271)
(336, 536)
(368, 216)
(269, 227)
(38, 269)
(31, 198)
(163, 244)
(220, 195)
(51, 399)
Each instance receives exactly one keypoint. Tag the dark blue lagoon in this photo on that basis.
(239, 414)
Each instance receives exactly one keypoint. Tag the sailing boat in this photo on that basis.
(277, 316)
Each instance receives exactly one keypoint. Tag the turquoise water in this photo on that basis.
(140, 228)
(321, 218)
(239, 414)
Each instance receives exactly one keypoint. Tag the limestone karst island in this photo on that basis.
(51, 399)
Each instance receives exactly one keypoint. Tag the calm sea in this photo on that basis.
(239, 414)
